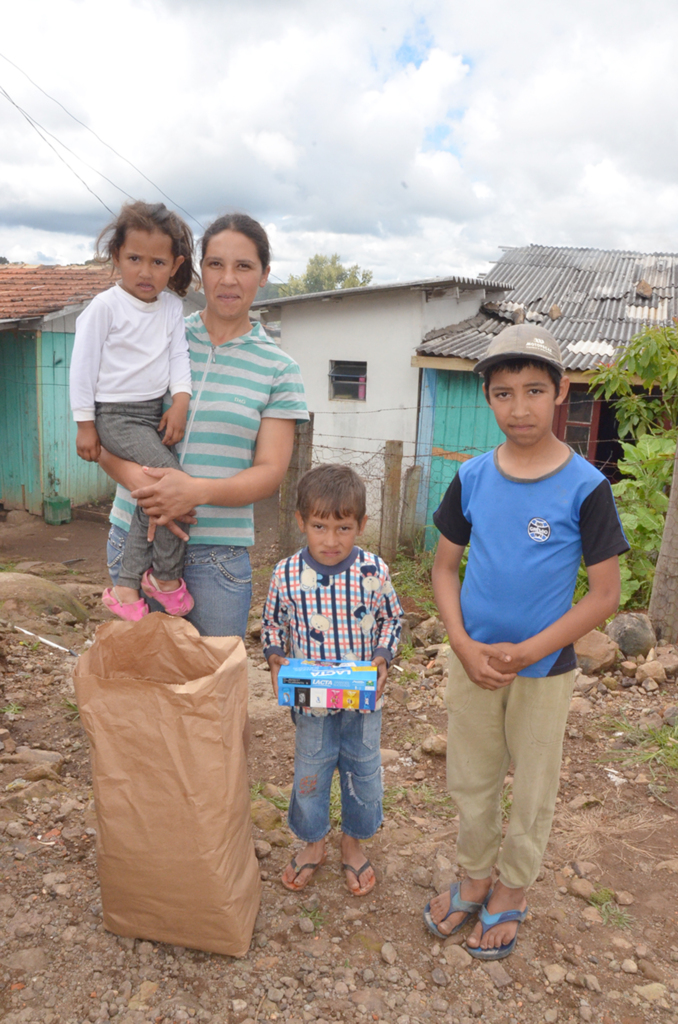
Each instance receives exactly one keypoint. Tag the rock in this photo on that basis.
(431, 631)
(555, 974)
(306, 926)
(399, 694)
(498, 974)
(651, 670)
(629, 966)
(580, 706)
(444, 874)
(633, 632)
(650, 970)
(651, 993)
(651, 721)
(595, 651)
(610, 683)
(557, 914)
(147, 990)
(31, 755)
(388, 757)
(422, 876)
(592, 983)
(625, 899)
(53, 878)
(439, 977)
(435, 745)
(388, 953)
(581, 887)
(262, 848)
(629, 669)
(265, 815)
(28, 960)
(585, 683)
(254, 629)
(668, 865)
(238, 1005)
(621, 943)
(670, 663)
(24, 595)
(670, 716)
(582, 801)
(551, 1016)
(592, 915)
(457, 958)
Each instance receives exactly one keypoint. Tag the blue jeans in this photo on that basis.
(348, 741)
(219, 579)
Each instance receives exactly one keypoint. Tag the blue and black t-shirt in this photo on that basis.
(527, 538)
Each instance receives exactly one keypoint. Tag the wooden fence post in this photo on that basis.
(407, 538)
(390, 506)
(289, 536)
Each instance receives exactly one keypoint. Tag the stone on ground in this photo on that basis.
(633, 632)
(595, 652)
(23, 596)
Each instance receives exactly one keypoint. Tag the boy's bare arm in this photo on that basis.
(601, 601)
(482, 662)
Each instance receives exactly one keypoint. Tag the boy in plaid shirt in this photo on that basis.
(332, 600)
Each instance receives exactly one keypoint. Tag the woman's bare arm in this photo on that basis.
(172, 493)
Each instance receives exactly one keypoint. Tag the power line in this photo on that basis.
(35, 127)
(102, 141)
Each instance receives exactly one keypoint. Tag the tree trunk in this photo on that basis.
(663, 610)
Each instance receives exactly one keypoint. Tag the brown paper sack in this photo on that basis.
(164, 711)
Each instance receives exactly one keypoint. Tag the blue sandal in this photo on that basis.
(488, 921)
(457, 905)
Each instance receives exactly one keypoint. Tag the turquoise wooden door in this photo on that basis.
(19, 431)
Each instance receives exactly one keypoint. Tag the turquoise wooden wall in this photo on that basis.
(63, 473)
(37, 433)
(462, 425)
(19, 441)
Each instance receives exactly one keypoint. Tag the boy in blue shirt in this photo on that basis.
(530, 510)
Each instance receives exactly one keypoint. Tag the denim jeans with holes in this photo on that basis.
(350, 742)
(218, 577)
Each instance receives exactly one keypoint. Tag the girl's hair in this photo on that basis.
(247, 226)
(150, 217)
(331, 490)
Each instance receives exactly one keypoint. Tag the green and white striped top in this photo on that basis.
(235, 386)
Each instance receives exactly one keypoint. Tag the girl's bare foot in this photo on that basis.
(362, 879)
(473, 890)
(501, 900)
(167, 586)
(304, 865)
(126, 595)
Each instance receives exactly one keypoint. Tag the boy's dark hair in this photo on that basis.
(150, 217)
(516, 365)
(247, 226)
(331, 491)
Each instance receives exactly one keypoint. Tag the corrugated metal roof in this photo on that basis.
(27, 292)
(428, 284)
(595, 290)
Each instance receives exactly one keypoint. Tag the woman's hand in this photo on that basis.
(171, 495)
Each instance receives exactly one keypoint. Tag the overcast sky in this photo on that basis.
(414, 138)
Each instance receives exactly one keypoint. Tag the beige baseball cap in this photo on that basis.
(522, 341)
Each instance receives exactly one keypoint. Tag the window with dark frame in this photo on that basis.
(576, 422)
(348, 380)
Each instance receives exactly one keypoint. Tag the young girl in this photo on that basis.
(130, 347)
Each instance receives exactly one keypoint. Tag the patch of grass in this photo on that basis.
(612, 914)
(335, 800)
(316, 916)
(255, 789)
(408, 676)
(406, 650)
(12, 708)
(506, 801)
(615, 917)
(280, 801)
(438, 804)
(411, 575)
(656, 748)
(71, 708)
(30, 646)
(7, 566)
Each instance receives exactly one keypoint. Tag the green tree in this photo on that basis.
(325, 274)
(643, 388)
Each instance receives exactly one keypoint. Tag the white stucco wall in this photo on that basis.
(383, 329)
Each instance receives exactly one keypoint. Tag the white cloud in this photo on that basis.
(412, 136)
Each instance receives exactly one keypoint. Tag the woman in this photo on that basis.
(247, 396)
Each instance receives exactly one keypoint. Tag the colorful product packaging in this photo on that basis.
(349, 685)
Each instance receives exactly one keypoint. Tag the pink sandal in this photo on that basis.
(131, 612)
(175, 602)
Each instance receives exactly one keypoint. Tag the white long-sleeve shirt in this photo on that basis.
(127, 350)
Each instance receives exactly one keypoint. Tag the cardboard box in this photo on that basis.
(328, 684)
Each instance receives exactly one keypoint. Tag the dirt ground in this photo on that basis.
(322, 955)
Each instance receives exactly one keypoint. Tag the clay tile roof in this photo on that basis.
(31, 291)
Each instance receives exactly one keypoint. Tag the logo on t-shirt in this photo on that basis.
(538, 529)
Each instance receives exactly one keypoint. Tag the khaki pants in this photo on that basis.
(523, 722)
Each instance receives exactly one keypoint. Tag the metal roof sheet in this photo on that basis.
(595, 290)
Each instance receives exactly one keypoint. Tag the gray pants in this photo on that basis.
(130, 431)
